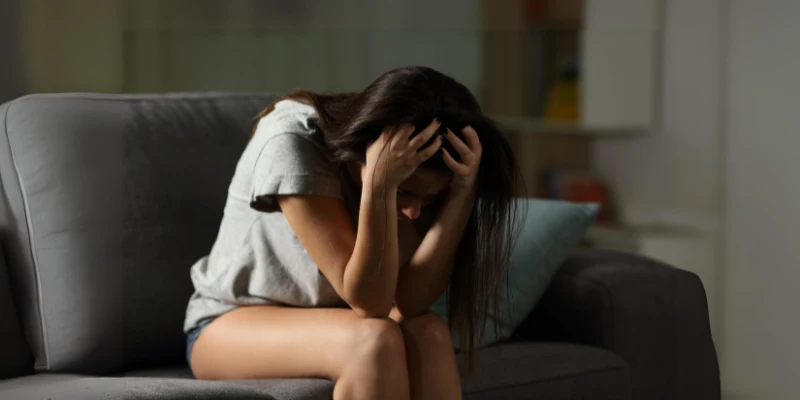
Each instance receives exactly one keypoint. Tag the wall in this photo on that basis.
(12, 82)
(73, 45)
(724, 160)
(761, 326)
(670, 178)
(244, 45)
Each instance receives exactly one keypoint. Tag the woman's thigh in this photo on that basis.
(263, 342)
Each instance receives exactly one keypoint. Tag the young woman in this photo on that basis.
(347, 217)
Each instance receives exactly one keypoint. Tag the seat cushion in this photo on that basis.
(109, 200)
(552, 371)
(78, 387)
(541, 371)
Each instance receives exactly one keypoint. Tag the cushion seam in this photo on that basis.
(34, 258)
(596, 371)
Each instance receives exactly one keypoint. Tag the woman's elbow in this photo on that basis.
(368, 303)
(411, 309)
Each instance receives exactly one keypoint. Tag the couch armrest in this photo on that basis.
(654, 316)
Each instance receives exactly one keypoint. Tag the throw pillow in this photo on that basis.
(550, 230)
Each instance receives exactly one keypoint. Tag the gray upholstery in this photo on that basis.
(539, 370)
(111, 200)
(107, 200)
(15, 357)
(77, 387)
(509, 371)
(653, 315)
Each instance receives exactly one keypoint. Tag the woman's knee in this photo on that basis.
(379, 340)
(428, 331)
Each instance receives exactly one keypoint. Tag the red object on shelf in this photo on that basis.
(536, 10)
(580, 187)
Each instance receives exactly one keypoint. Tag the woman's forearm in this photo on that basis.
(370, 278)
(428, 273)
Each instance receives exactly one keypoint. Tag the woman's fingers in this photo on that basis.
(428, 152)
(452, 163)
(459, 145)
(401, 135)
(472, 139)
(423, 137)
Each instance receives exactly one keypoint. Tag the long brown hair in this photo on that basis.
(417, 95)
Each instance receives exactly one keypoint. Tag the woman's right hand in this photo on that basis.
(394, 156)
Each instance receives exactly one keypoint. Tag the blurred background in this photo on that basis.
(676, 115)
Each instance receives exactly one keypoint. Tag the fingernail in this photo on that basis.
(438, 121)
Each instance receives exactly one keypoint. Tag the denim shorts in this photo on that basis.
(192, 336)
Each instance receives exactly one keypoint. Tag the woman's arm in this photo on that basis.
(426, 276)
(428, 273)
(353, 263)
(362, 267)
(370, 277)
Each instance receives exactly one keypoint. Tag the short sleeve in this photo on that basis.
(292, 163)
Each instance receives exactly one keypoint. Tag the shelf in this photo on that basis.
(539, 126)
(636, 239)
(643, 230)
(569, 26)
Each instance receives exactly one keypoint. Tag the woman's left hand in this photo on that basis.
(466, 171)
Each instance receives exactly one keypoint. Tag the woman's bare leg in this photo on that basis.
(366, 357)
(432, 369)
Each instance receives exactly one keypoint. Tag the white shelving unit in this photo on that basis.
(620, 43)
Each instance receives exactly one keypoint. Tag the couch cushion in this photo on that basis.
(552, 371)
(541, 371)
(110, 200)
(550, 230)
(77, 387)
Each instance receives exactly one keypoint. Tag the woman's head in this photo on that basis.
(419, 192)
(417, 96)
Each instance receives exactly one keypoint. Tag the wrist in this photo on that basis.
(378, 187)
(463, 192)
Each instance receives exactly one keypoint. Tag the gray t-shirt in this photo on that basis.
(257, 259)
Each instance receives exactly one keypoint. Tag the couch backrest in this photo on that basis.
(109, 199)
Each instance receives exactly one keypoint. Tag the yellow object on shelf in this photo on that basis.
(563, 101)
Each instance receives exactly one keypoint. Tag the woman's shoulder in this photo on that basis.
(287, 117)
(287, 141)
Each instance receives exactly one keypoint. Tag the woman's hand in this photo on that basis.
(394, 156)
(466, 171)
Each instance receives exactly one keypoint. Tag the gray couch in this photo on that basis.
(108, 199)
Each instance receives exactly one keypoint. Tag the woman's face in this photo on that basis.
(420, 190)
